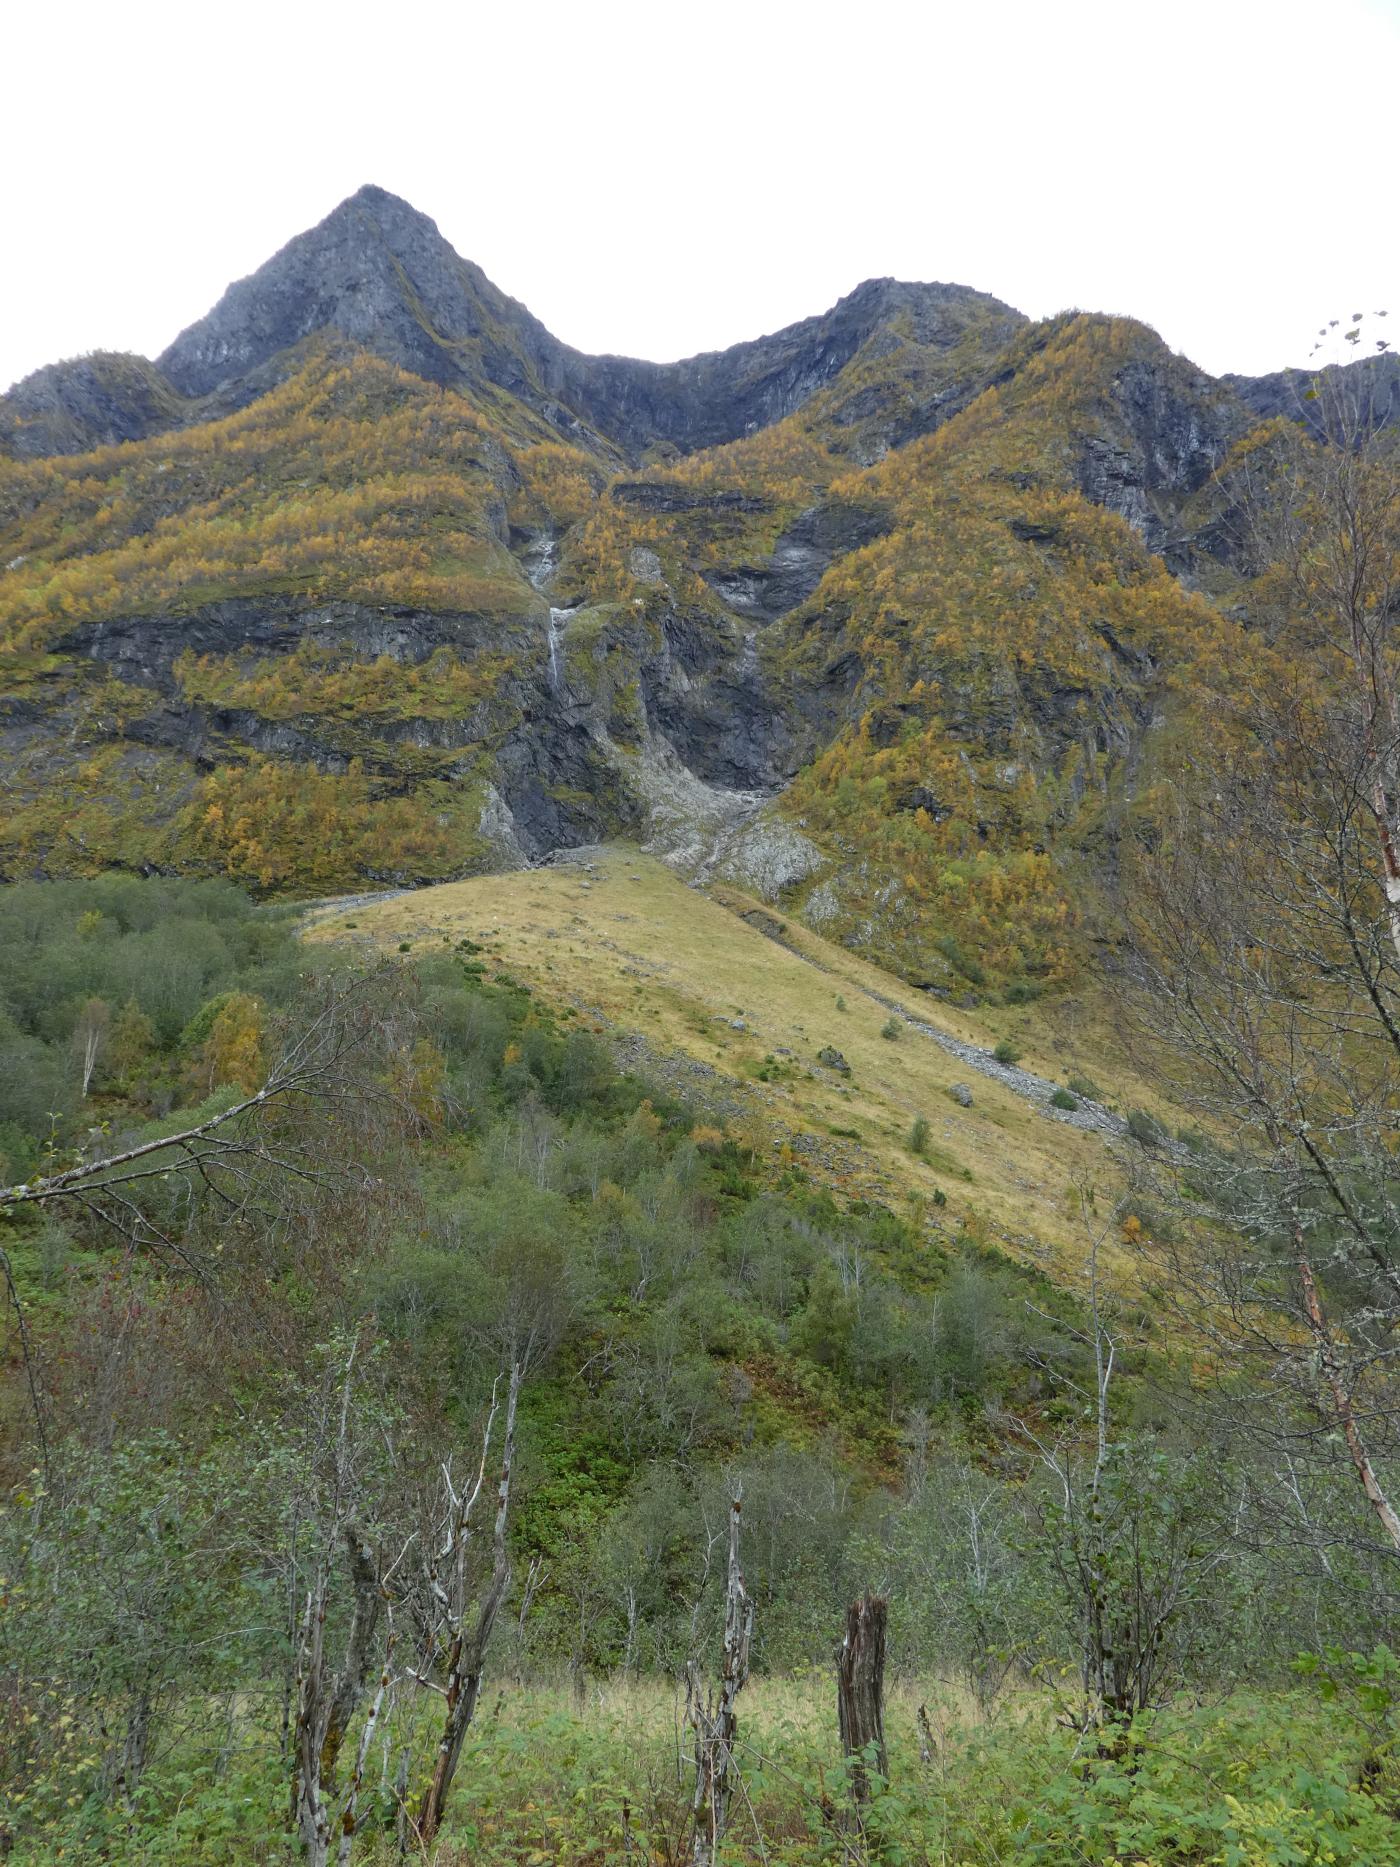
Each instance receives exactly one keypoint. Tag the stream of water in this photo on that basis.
(557, 619)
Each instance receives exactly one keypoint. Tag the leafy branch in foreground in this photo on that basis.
(230, 1156)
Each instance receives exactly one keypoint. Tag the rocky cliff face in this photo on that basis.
(1170, 427)
(592, 709)
(1374, 383)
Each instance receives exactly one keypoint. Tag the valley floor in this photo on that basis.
(1251, 1781)
(553, 1777)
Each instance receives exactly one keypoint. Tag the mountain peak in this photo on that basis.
(370, 194)
(390, 214)
(378, 271)
(375, 269)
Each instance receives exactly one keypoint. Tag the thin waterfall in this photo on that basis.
(557, 619)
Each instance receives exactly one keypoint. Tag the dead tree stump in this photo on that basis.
(712, 1715)
(860, 1692)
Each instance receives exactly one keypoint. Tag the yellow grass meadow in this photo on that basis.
(621, 938)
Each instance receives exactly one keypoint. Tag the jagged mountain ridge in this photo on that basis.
(866, 614)
(378, 272)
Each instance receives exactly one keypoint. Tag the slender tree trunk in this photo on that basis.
(134, 1749)
(1381, 708)
(1390, 863)
(860, 1692)
(467, 1653)
(1342, 1408)
(350, 1808)
(629, 1651)
(713, 1715)
(326, 1706)
(92, 1043)
(534, 1577)
(401, 1804)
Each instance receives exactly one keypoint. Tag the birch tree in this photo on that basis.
(89, 1037)
(1321, 525)
(331, 1678)
(1131, 1535)
(456, 1624)
(1271, 998)
(1264, 910)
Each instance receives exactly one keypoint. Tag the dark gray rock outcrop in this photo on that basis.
(94, 401)
(1170, 427)
(1373, 384)
(799, 560)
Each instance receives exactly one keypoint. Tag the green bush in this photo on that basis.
(1145, 1129)
(919, 1136)
(1062, 1099)
(962, 962)
(891, 1029)
(1007, 1052)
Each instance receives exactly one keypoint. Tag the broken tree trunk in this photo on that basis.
(467, 1646)
(326, 1705)
(860, 1693)
(712, 1714)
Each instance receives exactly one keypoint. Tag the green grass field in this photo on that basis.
(551, 1777)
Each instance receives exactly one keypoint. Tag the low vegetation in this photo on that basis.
(232, 1362)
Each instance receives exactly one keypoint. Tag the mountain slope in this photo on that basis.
(94, 401)
(879, 624)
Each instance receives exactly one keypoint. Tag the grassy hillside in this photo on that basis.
(752, 999)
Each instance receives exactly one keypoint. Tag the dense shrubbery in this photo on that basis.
(489, 1186)
(1244, 1780)
(291, 830)
(315, 680)
(133, 983)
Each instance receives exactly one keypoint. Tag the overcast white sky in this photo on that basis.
(669, 177)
